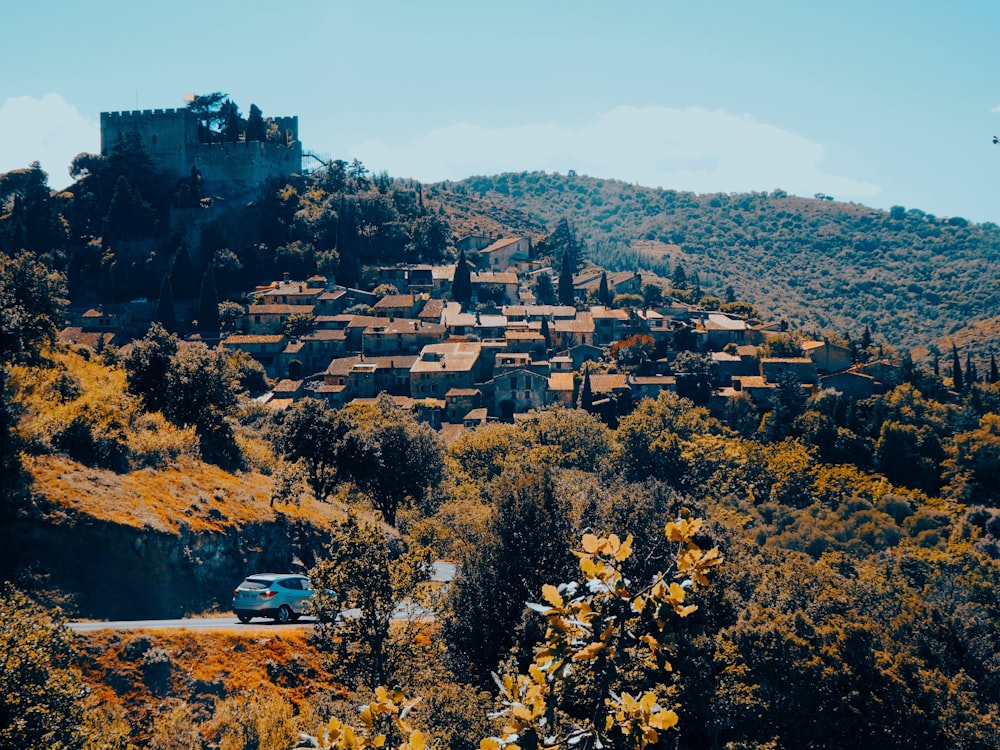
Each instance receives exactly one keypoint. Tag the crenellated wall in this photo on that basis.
(171, 138)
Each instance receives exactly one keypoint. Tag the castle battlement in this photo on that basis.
(173, 140)
(143, 113)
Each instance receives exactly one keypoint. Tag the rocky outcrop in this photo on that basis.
(104, 570)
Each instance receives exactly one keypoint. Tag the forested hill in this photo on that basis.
(819, 264)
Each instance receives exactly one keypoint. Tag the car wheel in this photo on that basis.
(284, 614)
(244, 618)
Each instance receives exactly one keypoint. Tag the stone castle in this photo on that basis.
(173, 139)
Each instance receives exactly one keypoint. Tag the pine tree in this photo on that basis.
(461, 284)
(208, 310)
(956, 370)
(165, 307)
(994, 375)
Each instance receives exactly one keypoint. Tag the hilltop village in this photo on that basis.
(459, 368)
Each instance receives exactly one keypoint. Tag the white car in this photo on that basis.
(281, 596)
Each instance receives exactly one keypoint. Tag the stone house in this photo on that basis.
(828, 357)
(502, 254)
(361, 376)
(441, 367)
(716, 330)
(508, 283)
(802, 369)
(569, 333)
(271, 318)
(265, 348)
(852, 384)
(401, 336)
(519, 391)
(399, 306)
(610, 325)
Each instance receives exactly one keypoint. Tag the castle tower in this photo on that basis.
(233, 171)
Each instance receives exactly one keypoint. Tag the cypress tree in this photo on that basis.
(971, 376)
(546, 333)
(586, 391)
(956, 369)
(461, 283)
(566, 293)
(208, 310)
(603, 293)
(165, 307)
(182, 278)
(994, 375)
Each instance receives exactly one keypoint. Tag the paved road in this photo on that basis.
(443, 571)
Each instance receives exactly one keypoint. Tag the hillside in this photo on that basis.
(914, 278)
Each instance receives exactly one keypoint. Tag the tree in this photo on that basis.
(147, 364)
(256, 130)
(994, 374)
(633, 352)
(358, 573)
(199, 390)
(129, 217)
(679, 278)
(787, 404)
(586, 391)
(41, 693)
(208, 307)
(528, 542)
(165, 314)
(182, 275)
(596, 679)
(298, 324)
(603, 292)
(313, 434)
(567, 294)
(231, 121)
(545, 293)
(652, 295)
(956, 370)
(391, 457)
(32, 299)
(461, 285)
(207, 108)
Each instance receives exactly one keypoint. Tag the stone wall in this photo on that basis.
(231, 170)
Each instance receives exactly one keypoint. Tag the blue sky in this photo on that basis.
(878, 102)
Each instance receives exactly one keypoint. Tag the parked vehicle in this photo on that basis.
(282, 596)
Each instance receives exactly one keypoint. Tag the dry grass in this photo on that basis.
(191, 494)
(148, 672)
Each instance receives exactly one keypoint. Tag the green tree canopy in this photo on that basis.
(32, 299)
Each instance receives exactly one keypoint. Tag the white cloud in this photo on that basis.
(683, 149)
(49, 130)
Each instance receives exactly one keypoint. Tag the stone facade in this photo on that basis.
(171, 139)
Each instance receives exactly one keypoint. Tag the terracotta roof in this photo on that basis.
(249, 338)
(502, 243)
(604, 383)
(76, 335)
(489, 277)
(343, 365)
(561, 381)
(268, 309)
(460, 356)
